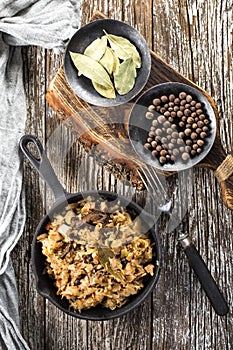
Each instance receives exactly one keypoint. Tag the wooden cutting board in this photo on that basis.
(103, 131)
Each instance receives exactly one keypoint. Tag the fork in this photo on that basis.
(155, 187)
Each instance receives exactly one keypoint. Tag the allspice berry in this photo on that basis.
(154, 153)
(151, 108)
(164, 99)
(185, 156)
(162, 159)
(149, 115)
(156, 102)
(161, 119)
(182, 95)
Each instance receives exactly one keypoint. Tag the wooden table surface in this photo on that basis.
(196, 38)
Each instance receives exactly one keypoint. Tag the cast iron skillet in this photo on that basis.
(45, 284)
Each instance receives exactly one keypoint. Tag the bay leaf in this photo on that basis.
(124, 48)
(107, 60)
(91, 69)
(97, 48)
(124, 79)
(108, 92)
(104, 254)
(116, 62)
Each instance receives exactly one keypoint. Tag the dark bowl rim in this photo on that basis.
(119, 99)
(137, 299)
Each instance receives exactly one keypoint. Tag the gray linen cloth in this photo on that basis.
(46, 23)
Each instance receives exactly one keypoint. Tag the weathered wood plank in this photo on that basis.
(31, 305)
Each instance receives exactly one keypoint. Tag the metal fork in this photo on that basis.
(155, 188)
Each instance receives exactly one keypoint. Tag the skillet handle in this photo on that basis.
(42, 165)
(203, 274)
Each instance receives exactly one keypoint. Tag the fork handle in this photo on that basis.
(203, 274)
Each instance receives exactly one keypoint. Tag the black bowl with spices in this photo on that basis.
(172, 126)
(82, 85)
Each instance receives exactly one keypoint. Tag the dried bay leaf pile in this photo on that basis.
(111, 63)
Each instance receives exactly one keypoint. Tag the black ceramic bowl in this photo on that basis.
(139, 125)
(82, 86)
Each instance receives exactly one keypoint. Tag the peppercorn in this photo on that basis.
(156, 102)
(181, 124)
(158, 132)
(171, 97)
(166, 124)
(190, 120)
(183, 102)
(149, 115)
(179, 141)
(189, 98)
(193, 135)
(163, 152)
(200, 143)
(187, 132)
(171, 119)
(203, 134)
(185, 156)
(164, 99)
(151, 108)
(173, 114)
(175, 134)
(154, 153)
(161, 119)
(181, 149)
(162, 110)
(167, 114)
(175, 152)
(151, 134)
(187, 112)
(182, 95)
(200, 123)
(193, 152)
(199, 111)
(162, 160)
(154, 144)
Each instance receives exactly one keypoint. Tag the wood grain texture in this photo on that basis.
(195, 37)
